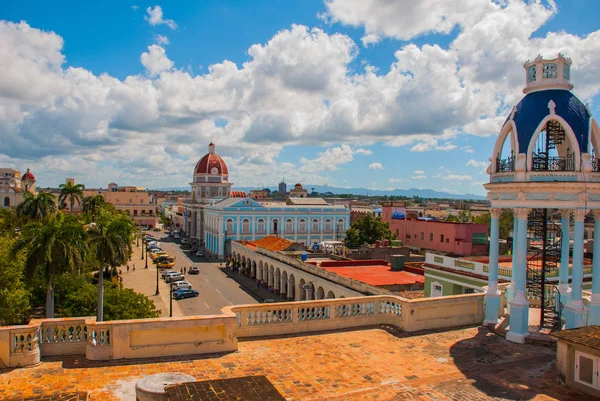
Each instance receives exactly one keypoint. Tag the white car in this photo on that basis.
(176, 236)
(184, 240)
(181, 284)
(171, 278)
(165, 272)
(199, 253)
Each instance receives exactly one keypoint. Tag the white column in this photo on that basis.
(575, 311)
(492, 296)
(282, 286)
(299, 290)
(519, 306)
(565, 244)
(594, 312)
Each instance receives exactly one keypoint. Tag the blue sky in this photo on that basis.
(346, 93)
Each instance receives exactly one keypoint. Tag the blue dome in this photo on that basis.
(533, 108)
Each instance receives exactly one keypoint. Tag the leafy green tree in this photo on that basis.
(36, 207)
(14, 297)
(111, 241)
(505, 224)
(464, 216)
(92, 205)
(78, 297)
(55, 246)
(72, 193)
(368, 230)
(452, 219)
(9, 222)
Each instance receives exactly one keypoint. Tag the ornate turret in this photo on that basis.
(543, 74)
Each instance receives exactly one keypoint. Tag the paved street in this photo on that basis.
(216, 288)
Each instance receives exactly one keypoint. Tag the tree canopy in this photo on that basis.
(368, 230)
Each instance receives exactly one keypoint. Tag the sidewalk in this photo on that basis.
(144, 281)
(249, 284)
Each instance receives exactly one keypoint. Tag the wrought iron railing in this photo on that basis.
(503, 165)
(595, 164)
(543, 163)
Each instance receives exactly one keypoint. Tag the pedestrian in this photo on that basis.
(134, 267)
(258, 283)
(181, 270)
(127, 268)
(184, 270)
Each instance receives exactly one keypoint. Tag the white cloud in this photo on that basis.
(161, 40)
(155, 17)
(418, 172)
(457, 177)
(376, 166)
(468, 149)
(328, 160)
(432, 144)
(155, 60)
(362, 151)
(476, 163)
(396, 180)
(406, 19)
(370, 39)
(135, 8)
(419, 177)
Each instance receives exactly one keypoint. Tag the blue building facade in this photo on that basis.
(239, 218)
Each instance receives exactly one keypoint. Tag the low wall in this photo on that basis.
(147, 338)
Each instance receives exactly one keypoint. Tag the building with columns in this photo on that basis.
(544, 163)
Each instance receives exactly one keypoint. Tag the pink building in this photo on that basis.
(462, 239)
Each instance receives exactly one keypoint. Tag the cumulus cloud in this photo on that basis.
(476, 163)
(155, 17)
(375, 166)
(328, 160)
(362, 151)
(396, 180)
(419, 175)
(458, 177)
(155, 60)
(161, 40)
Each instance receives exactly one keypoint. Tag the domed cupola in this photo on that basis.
(550, 129)
(211, 176)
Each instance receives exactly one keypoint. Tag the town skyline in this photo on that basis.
(406, 102)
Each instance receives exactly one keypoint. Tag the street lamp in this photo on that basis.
(170, 300)
(143, 242)
(147, 256)
(157, 289)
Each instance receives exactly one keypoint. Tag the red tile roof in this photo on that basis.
(271, 243)
(377, 275)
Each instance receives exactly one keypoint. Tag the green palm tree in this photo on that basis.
(111, 241)
(72, 193)
(37, 207)
(92, 205)
(55, 246)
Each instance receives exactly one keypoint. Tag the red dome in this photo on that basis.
(211, 161)
(28, 176)
(238, 194)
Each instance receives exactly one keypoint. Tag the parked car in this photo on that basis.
(176, 236)
(171, 278)
(165, 272)
(184, 241)
(194, 270)
(269, 301)
(169, 273)
(199, 253)
(181, 284)
(164, 262)
(185, 293)
(155, 255)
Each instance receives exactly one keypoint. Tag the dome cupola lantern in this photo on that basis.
(543, 74)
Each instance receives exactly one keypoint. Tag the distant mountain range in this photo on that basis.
(422, 193)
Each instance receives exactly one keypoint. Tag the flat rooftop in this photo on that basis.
(377, 275)
(368, 364)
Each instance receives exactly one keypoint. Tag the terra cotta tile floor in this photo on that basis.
(371, 364)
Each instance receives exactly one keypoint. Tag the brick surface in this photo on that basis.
(251, 388)
(371, 364)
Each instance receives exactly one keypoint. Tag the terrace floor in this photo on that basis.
(369, 364)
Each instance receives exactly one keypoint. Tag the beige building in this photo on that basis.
(136, 201)
(298, 192)
(13, 186)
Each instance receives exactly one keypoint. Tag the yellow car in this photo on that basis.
(155, 255)
(164, 262)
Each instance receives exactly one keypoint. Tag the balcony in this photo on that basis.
(542, 163)
(375, 364)
(505, 165)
